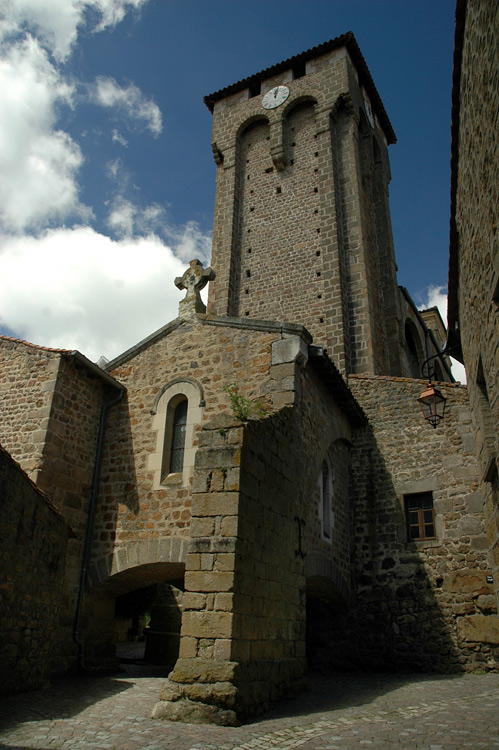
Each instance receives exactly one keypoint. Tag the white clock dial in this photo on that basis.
(275, 97)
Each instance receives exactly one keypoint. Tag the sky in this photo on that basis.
(108, 180)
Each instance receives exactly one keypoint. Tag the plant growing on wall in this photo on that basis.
(243, 408)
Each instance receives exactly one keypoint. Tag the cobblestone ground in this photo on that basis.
(338, 712)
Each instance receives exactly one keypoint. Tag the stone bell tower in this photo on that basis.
(302, 228)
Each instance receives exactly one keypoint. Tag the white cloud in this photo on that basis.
(38, 163)
(82, 290)
(56, 22)
(129, 100)
(436, 296)
(189, 242)
(116, 137)
(75, 287)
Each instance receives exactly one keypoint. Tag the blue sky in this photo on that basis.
(108, 186)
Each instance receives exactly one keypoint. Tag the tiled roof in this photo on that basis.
(35, 346)
(345, 40)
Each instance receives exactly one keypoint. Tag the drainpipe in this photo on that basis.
(90, 524)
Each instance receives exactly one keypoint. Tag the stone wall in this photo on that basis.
(27, 382)
(33, 540)
(255, 526)
(476, 220)
(50, 406)
(427, 604)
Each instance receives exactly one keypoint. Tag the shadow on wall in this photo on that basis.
(398, 621)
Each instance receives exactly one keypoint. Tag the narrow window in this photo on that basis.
(326, 501)
(420, 516)
(178, 438)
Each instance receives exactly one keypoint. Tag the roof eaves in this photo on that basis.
(333, 379)
(345, 40)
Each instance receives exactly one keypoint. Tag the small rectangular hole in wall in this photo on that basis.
(291, 161)
(248, 177)
(252, 208)
(247, 312)
(318, 231)
(316, 211)
(319, 296)
(293, 144)
(249, 249)
(246, 291)
(316, 153)
(321, 320)
(248, 273)
(317, 252)
(269, 169)
(254, 89)
(278, 190)
(316, 190)
(318, 273)
(299, 70)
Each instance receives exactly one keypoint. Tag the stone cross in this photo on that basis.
(194, 279)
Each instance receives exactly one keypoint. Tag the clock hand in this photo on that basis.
(276, 92)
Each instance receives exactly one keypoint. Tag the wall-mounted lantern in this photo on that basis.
(431, 401)
(432, 405)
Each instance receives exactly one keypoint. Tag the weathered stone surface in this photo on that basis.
(479, 628)
(203, 670)
(194, 713)
(467, 581)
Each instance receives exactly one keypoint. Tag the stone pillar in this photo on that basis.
(242, 639)
(202, 687)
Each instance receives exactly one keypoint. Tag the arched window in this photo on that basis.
(178, 438)
(325, 481)
(177, 412)
(326, 501)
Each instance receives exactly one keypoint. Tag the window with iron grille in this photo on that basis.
(420, 516)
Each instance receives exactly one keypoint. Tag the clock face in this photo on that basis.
(275, 97)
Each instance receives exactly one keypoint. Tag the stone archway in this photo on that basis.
(164, 576)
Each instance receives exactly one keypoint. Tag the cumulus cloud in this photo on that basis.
(73, 286)
(56, 22)
(83, 290)
(129, 101)
(38, 162)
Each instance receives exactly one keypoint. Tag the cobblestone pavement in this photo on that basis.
(338, 712)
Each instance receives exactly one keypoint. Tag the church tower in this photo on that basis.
(302, 229)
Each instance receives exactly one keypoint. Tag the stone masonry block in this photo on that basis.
(202, 526)
(292, 349)
(207, 624)
(207, 581)
(215, 504)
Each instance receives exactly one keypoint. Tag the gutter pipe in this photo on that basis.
(90, 522)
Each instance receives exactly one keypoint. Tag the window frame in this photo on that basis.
(163, 411)
(422, 523)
